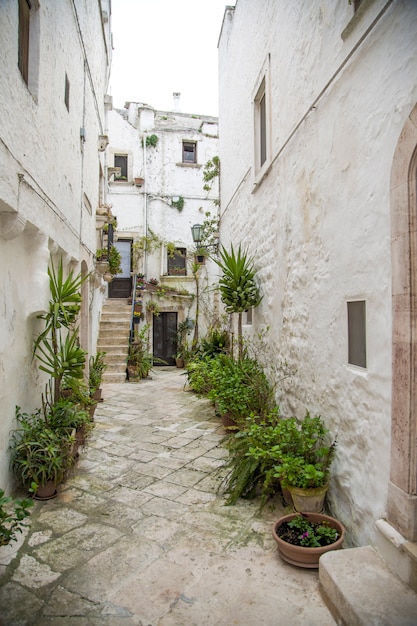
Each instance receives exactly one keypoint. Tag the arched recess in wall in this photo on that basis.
(84, 320)
(402, 490)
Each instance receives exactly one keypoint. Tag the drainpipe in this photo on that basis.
(145, 206)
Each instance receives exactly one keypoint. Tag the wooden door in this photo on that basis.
(121, 285)
(164, 334)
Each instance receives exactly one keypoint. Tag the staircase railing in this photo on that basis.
(132, 316)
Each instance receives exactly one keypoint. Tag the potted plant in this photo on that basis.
(303, 538)
(306, 470)
(139, 359)
(40, 455)
(13, 514)
(95, 374)
(115, 261)
(184, 328)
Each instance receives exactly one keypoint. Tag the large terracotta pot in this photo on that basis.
(308, 500)
(302, 556)
(46, 491)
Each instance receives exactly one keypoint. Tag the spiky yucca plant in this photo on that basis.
(238, 289)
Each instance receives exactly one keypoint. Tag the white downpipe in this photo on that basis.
(145, 206)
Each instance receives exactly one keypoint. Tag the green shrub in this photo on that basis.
(13, 514)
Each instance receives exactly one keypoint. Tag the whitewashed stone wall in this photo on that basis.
(148, 208)
(318, 223)
(49, 181)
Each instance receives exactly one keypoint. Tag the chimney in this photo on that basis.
(177, 96)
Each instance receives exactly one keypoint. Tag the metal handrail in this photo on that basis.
(132, 325)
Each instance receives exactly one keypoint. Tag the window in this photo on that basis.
(262, 130)
(177, 262)
(24, 23)
(356, 312)
(67, 92)
(189, 152)
(249, 317)
(120, 160)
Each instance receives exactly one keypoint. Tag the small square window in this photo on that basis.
(189, 152)
(356, 313)
(120, 160)
(177, 263)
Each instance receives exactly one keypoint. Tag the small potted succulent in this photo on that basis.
(303, 537)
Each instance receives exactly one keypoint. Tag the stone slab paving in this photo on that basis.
(140, 536)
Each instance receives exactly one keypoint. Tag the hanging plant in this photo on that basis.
(152, 140)
(178, 204)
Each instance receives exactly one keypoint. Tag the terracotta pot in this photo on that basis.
(308, 500)
(46, 491)
(229, 424)
(302, 556)
(97, 395)
(179, 362)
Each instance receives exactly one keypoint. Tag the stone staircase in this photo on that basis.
(114, 338)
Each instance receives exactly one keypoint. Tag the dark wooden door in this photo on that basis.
(121, 285)
(164, 334)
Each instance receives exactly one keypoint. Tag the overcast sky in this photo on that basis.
(166, 46)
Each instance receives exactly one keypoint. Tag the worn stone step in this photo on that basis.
(112, 341)
(114, 377)
(360, 589)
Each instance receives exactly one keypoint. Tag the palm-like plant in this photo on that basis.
(238, 289)
(57, 346)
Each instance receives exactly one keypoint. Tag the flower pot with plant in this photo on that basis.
(95, 374)
(303, 538)
(40, 455)
(306, 470)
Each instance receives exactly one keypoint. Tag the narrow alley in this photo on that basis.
(139, 536)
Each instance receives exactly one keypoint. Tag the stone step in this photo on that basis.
(116, 357)
(360, 589)
(112, 332)
(116, 366)
(116, 349)
(113, 341)
(114, 377)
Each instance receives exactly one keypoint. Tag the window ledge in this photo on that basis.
(196, 165)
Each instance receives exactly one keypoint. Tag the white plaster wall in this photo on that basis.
(140, 209)
(49, 184)
(319, 223)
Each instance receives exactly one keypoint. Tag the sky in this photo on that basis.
(166, 46)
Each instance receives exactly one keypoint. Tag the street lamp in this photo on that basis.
(197, 233)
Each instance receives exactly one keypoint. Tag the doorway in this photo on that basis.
(121, 285)
(164, 335)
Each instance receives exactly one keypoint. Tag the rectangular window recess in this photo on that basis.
(356, 317)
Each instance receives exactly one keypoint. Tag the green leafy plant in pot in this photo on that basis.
(97, 367)
(303, 537)
(306, 471)
(57, 347)
(40, 455)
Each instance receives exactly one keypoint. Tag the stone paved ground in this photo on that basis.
(139, 536)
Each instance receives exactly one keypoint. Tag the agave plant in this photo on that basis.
(238, 289)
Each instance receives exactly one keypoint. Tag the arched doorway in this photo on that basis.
(402, 490)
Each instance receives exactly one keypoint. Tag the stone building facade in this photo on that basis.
(157, 196)
(56, 63)
(318, 136)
